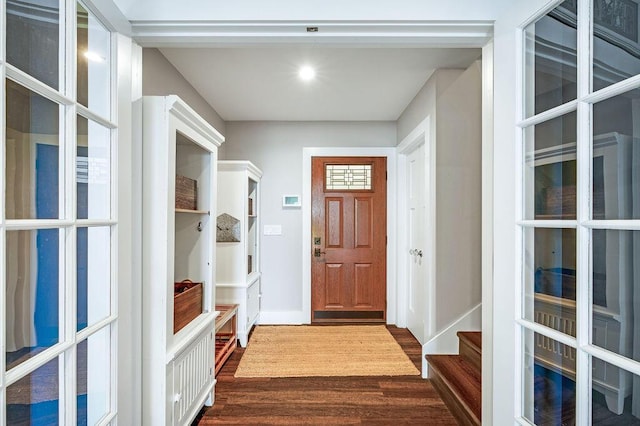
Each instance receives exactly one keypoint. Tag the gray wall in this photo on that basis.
(452, 98)
(424, 103)
(276, 148)
(459, 196)
(161, 78)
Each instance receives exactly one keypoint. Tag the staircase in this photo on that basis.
(457, 378)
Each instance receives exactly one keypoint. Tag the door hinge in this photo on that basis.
(386, 175)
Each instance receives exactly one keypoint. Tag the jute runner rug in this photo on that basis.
(306, 351)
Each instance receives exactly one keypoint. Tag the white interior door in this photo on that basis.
(416, 312)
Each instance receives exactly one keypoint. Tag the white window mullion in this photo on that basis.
(614, 359)
(519, 234)
(3, 257)
(613, 90)
(622, 225)
(550, 114)
(32, 364)
(68, 402)
(541, 223)
(87, 113)
(3, 24)
(88, 331)
(70, 356)
(558, 336)
(583, 184)
(3, 312)
(35, 224)
(35, 85)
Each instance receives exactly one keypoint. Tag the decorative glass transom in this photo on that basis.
(348, 177)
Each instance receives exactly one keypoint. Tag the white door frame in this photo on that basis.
(390, 154)
(422, 133)
(461, 33)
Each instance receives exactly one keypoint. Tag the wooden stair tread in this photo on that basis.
(472, 338)
(463, 381)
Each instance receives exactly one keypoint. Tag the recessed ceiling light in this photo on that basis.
(307, 73)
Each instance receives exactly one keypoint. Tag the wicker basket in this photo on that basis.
(186, 193)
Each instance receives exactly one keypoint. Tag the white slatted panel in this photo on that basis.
(193, 375)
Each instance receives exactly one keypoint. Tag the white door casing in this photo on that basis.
(390, 153)
(416, 304)
(419, 140)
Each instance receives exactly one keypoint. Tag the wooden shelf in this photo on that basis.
(192, 211)
(226, 334)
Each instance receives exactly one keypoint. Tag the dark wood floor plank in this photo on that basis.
(396, 400)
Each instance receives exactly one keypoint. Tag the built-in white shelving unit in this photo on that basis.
(238, 266)
(177, 244)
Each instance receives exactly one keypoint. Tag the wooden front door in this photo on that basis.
(349, 232)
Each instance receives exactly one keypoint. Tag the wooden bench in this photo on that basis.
(226, 334)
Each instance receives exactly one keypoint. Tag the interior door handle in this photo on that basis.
(415, 252)
(317, 252)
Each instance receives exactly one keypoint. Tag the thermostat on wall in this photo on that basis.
(291, 201)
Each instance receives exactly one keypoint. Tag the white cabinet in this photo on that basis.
(238, 264)
(177, 244)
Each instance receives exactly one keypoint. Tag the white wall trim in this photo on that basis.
(110, 15)
(282, 318)
(390, 153)
(446, 341)
(487, 233)
(129, 264)
(467, 33)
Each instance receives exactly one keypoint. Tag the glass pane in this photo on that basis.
(616, 272)
(616, 47)
(93, 170)
(616, 157)
(550, 67)
(32, 132)
(31, 293)
(93, 275)
(549, 394)
(94, 64)
(550, 278)
(34, 399)
(93, 379)
(550, 169)
(348, 177)
(613, 392)
(33, 28)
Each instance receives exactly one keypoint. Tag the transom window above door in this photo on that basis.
(348, 177)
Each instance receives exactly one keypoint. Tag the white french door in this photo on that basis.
(58, 234)
(578, 212)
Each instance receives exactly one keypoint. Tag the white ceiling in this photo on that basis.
(352, 84)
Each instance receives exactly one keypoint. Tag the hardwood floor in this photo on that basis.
(394, 400)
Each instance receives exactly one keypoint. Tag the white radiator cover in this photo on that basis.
(193, 378)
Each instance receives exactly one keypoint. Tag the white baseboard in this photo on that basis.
(282, 318)
(446, 340)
